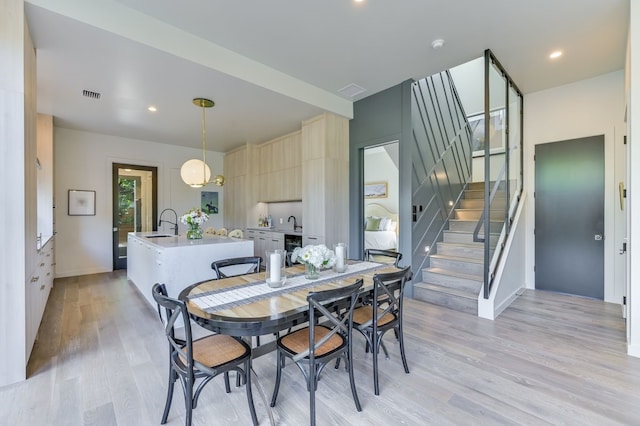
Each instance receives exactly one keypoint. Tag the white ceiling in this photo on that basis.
(269, 65)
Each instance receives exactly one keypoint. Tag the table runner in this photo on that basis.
(217, 300)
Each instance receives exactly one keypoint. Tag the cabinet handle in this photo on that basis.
(42, 264)
(42, 287)
(35, 279)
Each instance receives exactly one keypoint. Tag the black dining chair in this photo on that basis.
(252, 263)
(205, 358)
(374, 320)
(312, 347)
(383, 256)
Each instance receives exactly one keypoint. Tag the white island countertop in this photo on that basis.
(163, 240)
(176, 261)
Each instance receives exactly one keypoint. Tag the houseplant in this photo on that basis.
(193, 219)
(314, 258)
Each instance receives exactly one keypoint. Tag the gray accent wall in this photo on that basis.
(378, 119)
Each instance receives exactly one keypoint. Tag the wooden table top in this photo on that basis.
(271, 313)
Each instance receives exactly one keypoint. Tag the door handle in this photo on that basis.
(623, 250)
(598, 237)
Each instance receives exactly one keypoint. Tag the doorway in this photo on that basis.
(135, 206)
(381, 195)
(569, 216)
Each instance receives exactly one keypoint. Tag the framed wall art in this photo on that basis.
(376, 190)
(82, 203)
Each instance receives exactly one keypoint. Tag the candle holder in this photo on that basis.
(274, 268)
(340, 250)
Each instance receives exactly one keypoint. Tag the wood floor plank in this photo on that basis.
(101, 359)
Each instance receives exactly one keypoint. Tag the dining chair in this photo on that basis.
(252, 264)
(205, 358)
(383, 256)
(374, 320)
(314, 346)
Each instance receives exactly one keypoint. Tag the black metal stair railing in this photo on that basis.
(441, 160)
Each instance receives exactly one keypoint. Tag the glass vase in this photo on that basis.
(311, 272)
(194, 232)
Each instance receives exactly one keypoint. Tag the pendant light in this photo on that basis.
(195, 172)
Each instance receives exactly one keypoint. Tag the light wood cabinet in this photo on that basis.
(279, 165)
(240, 187)
(325, 175)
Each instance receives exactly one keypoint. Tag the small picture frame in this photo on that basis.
(376, 190)
(82, 203)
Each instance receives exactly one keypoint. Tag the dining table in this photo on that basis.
(245, 305)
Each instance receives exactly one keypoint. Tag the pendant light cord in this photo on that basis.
(204, 141)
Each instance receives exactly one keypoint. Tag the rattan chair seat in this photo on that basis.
(298, 341)
(216, 350)
(364, 315)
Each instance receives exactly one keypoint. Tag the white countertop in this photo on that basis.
(170, 241)
(284, 231)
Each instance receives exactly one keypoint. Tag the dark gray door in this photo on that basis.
(569, 228)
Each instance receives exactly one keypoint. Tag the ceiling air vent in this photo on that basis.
(351, 90)
(91, 94)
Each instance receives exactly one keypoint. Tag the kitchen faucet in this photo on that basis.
(296, 227)
(175, 224)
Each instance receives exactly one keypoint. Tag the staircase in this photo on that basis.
(455, 273)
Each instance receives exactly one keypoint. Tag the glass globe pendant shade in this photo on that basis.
(195, 173)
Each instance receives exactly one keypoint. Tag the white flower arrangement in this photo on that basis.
(319, 256)
(194, 216)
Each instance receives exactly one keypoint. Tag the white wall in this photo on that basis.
(83, 161)
(633, 119)
(585, 108)
(379, 167)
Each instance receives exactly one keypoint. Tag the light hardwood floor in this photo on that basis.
(101, 359)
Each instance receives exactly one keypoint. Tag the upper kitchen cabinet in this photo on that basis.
(240, 187)
(279, 169)
(325, 179)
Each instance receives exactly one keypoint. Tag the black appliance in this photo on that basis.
(291, 241)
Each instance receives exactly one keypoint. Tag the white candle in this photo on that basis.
(275, 264)
(339, 257)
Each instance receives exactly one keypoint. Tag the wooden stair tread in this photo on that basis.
(455, 274)
(448, 290)
(458, 258)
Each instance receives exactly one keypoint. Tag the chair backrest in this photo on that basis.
(389, 287)
(236, 233)
(384, 256)
(251, 263)
(181, 350)
(338, 322)
(222, 232)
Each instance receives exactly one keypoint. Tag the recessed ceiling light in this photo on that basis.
(152, 108)
(556, 54)
(358, 1)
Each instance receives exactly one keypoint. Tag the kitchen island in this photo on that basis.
(176, 261)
